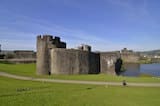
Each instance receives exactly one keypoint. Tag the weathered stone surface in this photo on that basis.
(54, 58)
(94, 63)
(128, 56)
(107, 60)
(69, 61)
(44, 44)
(64, 61)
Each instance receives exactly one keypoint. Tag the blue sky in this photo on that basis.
(106, 25)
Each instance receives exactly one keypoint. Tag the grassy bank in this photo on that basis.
(27, 93)
(29, 70)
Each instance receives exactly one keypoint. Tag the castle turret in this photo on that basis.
(44, 44)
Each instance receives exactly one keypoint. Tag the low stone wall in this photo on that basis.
(130, 57)
(17, 61)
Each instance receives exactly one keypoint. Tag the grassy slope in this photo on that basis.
(27, 93)
(29, 70)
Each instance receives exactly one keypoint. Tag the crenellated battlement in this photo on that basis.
(44, 44)
(45, 37)
(52, 41)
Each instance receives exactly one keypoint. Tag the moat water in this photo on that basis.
(141, 69)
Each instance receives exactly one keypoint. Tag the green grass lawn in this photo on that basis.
(30, 70)
(19, 69)
(27, 93)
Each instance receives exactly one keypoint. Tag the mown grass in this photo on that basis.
(30, 70)
(27, 93)
(19, 69)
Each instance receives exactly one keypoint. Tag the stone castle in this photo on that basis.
(54, 58)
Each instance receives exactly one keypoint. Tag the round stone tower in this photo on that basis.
(43, 62)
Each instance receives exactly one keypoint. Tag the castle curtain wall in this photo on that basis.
(68, 61)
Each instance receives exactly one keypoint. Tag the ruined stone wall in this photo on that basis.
(69, 61)
(130, 57)
(107, 62)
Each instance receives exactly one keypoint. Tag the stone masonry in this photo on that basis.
(54, 58)
(44, 45)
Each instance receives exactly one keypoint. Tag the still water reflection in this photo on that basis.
(139, 69)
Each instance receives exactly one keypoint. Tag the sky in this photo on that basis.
(106, 25)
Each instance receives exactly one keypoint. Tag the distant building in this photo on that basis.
(18, 56)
